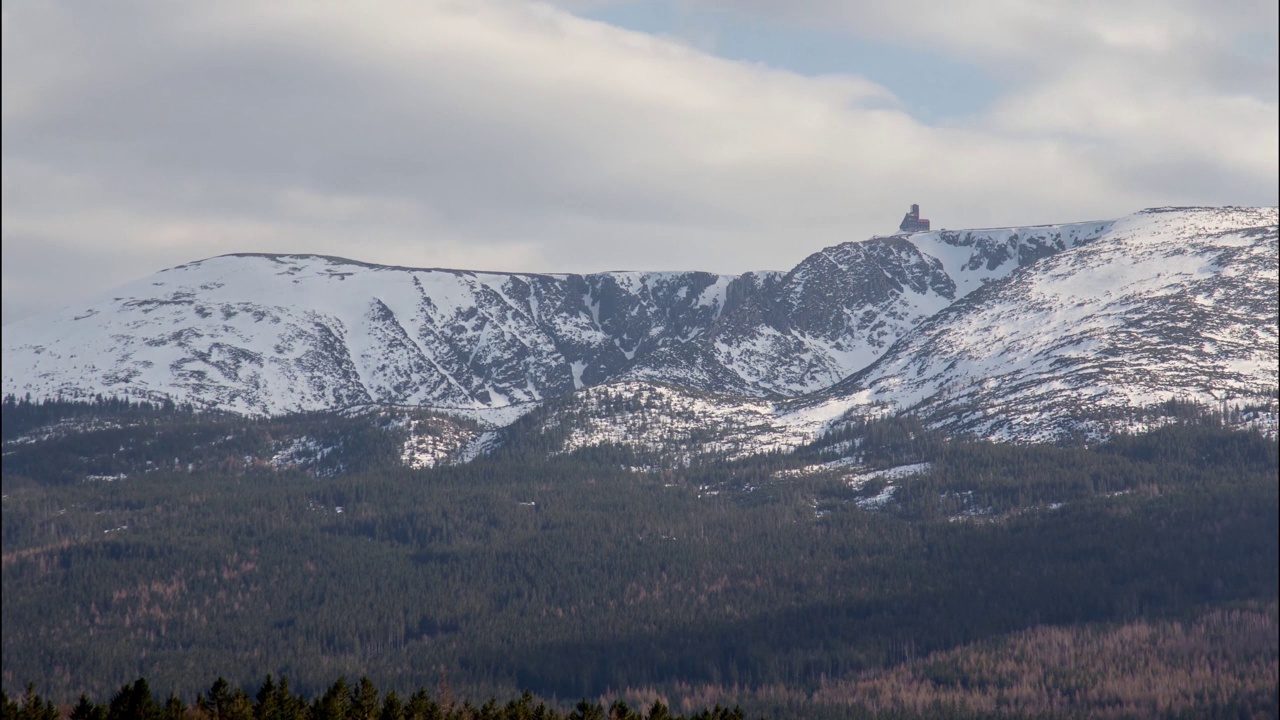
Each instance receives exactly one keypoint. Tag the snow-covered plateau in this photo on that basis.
(1031, 333)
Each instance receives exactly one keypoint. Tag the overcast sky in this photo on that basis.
(594, 135)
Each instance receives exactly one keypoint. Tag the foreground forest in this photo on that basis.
(1134, 578)
(359, 701)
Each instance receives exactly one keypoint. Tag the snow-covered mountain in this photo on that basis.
(1010, 332)
(280, 333)
(1171, 303)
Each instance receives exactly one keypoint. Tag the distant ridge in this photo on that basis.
(1004, 332)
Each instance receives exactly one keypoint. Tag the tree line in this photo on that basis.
(362, 700)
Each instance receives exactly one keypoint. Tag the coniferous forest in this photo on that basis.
(149, 550)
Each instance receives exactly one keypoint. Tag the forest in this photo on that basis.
(1137, 577)
(358, 701)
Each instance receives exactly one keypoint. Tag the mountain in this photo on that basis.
(1013, 332)
(1173, 303)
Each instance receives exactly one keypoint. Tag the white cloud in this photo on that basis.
(504, 135)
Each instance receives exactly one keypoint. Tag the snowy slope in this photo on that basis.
(1165, 304)
(1169, 304)
(842, 307)
(664, 423)
(272, 334)
(1007, 332)
(279, 333)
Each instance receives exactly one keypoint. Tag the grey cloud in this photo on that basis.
(220, 128)
(491, 135)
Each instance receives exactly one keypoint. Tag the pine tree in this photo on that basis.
(35, 707)
(392, 708)
(586, 710)
(364, 700)
(217, 703)
(87, 709)
(175, 708)
(658, 711)
(334, 704)
(134, 702)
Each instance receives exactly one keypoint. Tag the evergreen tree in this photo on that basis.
(658, 711)
(335, 704)
(134, 702)
(86, 709)
(174, 708)
(216, 703)
(587, 710)
(364, 700)
(392, 707)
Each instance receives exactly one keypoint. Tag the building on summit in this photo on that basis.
(912, 222)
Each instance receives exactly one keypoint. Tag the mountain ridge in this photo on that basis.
(266, 333)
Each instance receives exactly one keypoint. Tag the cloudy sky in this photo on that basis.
(593, 135)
